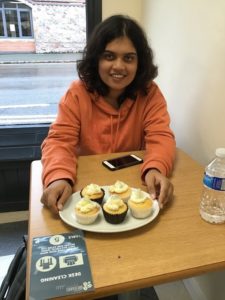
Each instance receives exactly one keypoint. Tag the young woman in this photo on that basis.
(115, 106)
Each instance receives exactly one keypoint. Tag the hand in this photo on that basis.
(56, 194)
(159, 186)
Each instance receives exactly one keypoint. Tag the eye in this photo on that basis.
(108, 56)
(130, 57)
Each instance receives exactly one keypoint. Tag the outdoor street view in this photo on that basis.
(40, 42)
(30, 92)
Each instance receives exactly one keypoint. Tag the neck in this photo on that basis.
(112, 99)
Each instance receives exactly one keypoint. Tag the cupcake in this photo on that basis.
(140, 204)
(86, 211)
(120, 189)
(94, 192)
(115, 210)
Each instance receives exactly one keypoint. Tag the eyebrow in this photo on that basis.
(127, 53)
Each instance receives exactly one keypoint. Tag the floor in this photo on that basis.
(170, 291)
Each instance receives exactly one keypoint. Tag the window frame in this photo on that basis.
(18, 10)
(31, 23)
(11, 146)
(93, 15)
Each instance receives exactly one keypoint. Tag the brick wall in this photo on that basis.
(17, 46)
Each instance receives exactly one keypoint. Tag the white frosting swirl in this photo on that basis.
(114, 203)
(138, 196)
(85, 205)
(92, 189)
(118, 187)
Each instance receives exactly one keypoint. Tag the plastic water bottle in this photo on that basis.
(212, 204)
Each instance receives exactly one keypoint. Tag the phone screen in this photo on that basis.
(122, 162)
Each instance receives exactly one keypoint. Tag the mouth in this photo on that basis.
(117, 76)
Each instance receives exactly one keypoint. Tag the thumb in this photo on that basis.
(152, 192)
(150, 182)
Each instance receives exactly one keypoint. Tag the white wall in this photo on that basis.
(128, 7)
(188, 38)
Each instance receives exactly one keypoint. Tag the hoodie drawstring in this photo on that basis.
(114, 140)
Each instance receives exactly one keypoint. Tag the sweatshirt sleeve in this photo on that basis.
(159, 139)
(59, 157)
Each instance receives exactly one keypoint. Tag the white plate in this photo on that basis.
(100, 225)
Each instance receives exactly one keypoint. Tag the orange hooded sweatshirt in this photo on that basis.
(86, 124)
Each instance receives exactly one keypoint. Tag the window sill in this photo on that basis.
(26, 39)
(21, 142)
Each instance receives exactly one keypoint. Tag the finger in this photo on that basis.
(52, 204)
(44, 199)
(63, 198)
(151, 186)
(163, 199)
(165, 195)
(49, 201)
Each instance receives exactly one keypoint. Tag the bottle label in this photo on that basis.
(214, 182)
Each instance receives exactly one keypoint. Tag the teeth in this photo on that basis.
(117, 75)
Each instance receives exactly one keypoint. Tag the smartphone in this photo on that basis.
(122, 162)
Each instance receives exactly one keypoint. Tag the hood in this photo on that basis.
(116, 116)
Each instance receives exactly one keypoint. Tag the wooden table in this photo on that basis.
(176, 245)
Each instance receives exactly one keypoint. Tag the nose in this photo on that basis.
(118, 64)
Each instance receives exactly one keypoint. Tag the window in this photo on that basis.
(21, 140)
(15, 20)
(25, 23)
(1, 25)
(20, 144)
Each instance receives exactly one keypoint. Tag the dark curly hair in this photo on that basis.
(111, 28)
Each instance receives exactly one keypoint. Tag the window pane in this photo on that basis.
(9, 5)
(22, 5)
(12, 23)
(1, 25)
(25, 23)
(30, 92)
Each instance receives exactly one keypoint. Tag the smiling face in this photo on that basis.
(118, 65)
